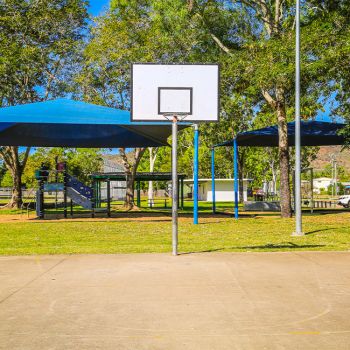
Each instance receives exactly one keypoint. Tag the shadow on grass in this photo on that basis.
(288, 245)
(316, 231)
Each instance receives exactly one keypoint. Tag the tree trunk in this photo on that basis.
(130, 188)
(152, 160)
(285, 196)
(130, 167)
(11, 157)
(150, 194)
(16, 200)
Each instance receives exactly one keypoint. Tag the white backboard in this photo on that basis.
(190, 90)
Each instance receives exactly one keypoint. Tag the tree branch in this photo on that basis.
(270, 100)
(277, 12)
(25, 158)
(222, 46)
(125, 160)
(5, 156)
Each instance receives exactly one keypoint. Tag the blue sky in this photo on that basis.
(96, 6)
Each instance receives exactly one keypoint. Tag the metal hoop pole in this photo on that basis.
(174, 187)
(195, 175)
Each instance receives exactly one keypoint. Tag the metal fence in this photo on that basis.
(6, 192)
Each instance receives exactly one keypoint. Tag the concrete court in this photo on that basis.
(296, 300)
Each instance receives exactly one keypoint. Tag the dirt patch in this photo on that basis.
(126, 216)
(16, 218)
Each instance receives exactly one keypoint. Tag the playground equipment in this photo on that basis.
(29, 202)
(74, 191)
(63, 182)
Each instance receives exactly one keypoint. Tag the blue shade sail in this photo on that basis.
(68, 123)
(313, 133)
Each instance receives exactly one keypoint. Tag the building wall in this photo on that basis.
(318, 184)
(224, 191)
(118, 191)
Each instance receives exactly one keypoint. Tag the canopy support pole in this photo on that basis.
(235, 175)
(213, 179)
(182, 193)
(138, 190)
(93, 199)
(108, 198)
(312, 190)
(65, 181)
(195, 175)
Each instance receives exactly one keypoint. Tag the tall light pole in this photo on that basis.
(297, 185)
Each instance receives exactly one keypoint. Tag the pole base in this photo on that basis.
(298, 234)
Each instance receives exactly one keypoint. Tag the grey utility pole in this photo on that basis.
(334, 174)
(335, 177)
(297, 185)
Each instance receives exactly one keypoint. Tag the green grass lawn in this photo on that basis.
(150, 233)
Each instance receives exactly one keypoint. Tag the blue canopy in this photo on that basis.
(69, 123)
(313, 133)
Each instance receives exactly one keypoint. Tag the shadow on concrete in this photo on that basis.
(288, 245)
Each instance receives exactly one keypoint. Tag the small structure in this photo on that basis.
(321, 183)
(105, 179)
(224, 189)
(118, 191)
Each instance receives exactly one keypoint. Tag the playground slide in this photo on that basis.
(78, 198)
(78, 192)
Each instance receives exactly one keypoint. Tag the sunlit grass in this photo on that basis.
(143, 232)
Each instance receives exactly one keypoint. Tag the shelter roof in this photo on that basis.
(313, 133)
(140, 176)
(69, 123)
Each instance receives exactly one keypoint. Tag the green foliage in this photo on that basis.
(331, 189)
(80, 161)
(256, 59)
(38, 43)
(6, 180)
(2, 169)
(342, 174)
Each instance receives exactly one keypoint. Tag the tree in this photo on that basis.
(2, 169)
(15, 163)
(130, 163)
(338, 74)
(152, 159)
(253, 40)
(38, 43)
(256, 40)
(127, 33)
(81, 162)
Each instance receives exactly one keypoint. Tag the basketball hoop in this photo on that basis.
(174, 92)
